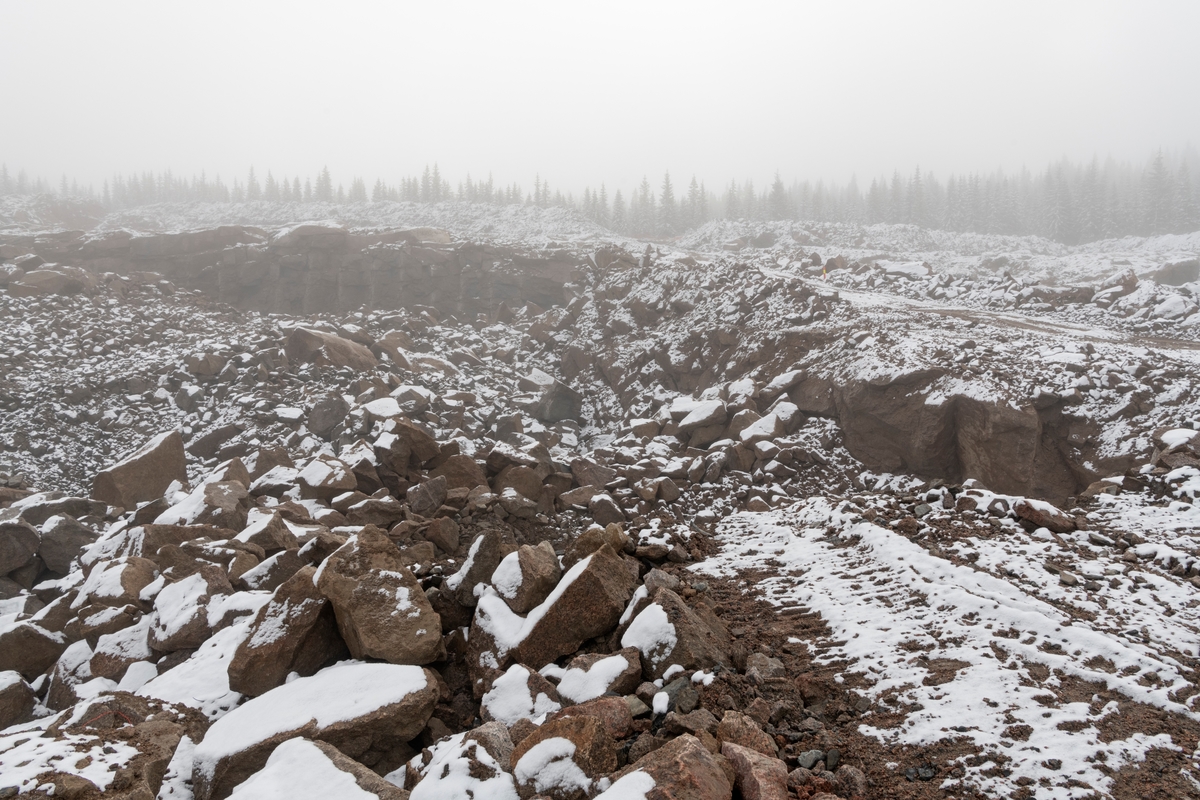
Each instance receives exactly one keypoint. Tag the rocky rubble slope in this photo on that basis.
(701, 527)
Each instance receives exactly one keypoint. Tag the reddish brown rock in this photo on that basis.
(759, 777)
(144, 475)
(683, 769)
(327, 350)
(1044, 515)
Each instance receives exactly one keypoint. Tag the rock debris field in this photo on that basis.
(433, 502)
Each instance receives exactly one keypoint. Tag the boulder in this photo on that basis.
(592, 675)
(306, 346)
(557, 401)
(180, 619)
(269, 532)
(613, 713)
(380, 607)
(526, 577)
(29, 649)
(1044, 515)
(117, 583)
(605, 510)
(668, 632)
(144, 475)
(325, 477)
(428, 496)
(62, 538)
(563, 758)
(704, 414)
(460, 472)
(589, 473)
(759, 777)
(296, 631)
(520, 693)
(682, 769)
(587, 602)
(326, 414)
(367, 711)
(484, 556)
(16, 699)
(739, 729)
(19, 543)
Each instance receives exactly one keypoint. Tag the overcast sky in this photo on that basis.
(591, 92)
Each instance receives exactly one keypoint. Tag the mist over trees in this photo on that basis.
(1068, 202)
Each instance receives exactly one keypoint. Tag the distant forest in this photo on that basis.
(1068, 202)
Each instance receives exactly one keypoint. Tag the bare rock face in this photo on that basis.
(367, 711)
(328, 350)
(144, 475)
(682, 769)
(668, 631)
(594, 755)
(295, 632)
(381, 610)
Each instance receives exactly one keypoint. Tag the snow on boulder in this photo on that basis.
(519, 694)
(300, 768)
(592, 675)
(1043, 515)
(380, 607)
(526, 577)
(145, 474)
(325, 477)
(668, 632)
(364, 710)
(565, 757)
(467, 765)
(180, 619)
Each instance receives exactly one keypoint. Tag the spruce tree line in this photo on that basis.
(1067, 202)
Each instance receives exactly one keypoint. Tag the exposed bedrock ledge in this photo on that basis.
(892, 426)
(315, 268)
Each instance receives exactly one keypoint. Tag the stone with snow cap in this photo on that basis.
(759, 777)
(367, 711)
(327, 350)
(563, 758)
(1044, 515)
(586, 603)
(296, 631)
(705, 414)
(380, 607)
(526, 577)
(483, 557)
(302, 768)
(668, 632)
(325, 477)
(520, 693)
(180, 618)
(19, 543)
(682, 769)
(592, 675)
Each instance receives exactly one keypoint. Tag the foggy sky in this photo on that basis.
(584, 93)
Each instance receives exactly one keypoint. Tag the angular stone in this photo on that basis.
(1044, 515)
(759, 777)
(595, 754)
(591, 675)
(739, 729)
(144, 475)
(613, 713)
(682, 769)
(270, 533)
(180, 619)
(485, 554)
(428, 496)
(16, 699)
(325, 478)
(62, 539)
(668, 632)
(327, 350)
(589, 473)
(381, 610)
(298, 765)
(29, 649)
(460, 472)
(327, 413)
(526, 577)
(592, 540)
(605, 510)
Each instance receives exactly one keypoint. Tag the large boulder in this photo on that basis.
(62, 539)
(144, 475)
(526, 577)
(461, 472)
(369, 712)
(16, 699)
(562, 758)
(668, 632)
(180, 619)
(381, 610)
(759, 777)
(557, 401)
(587, 602)
(296, 631)
(327, 350)
(29, 649)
